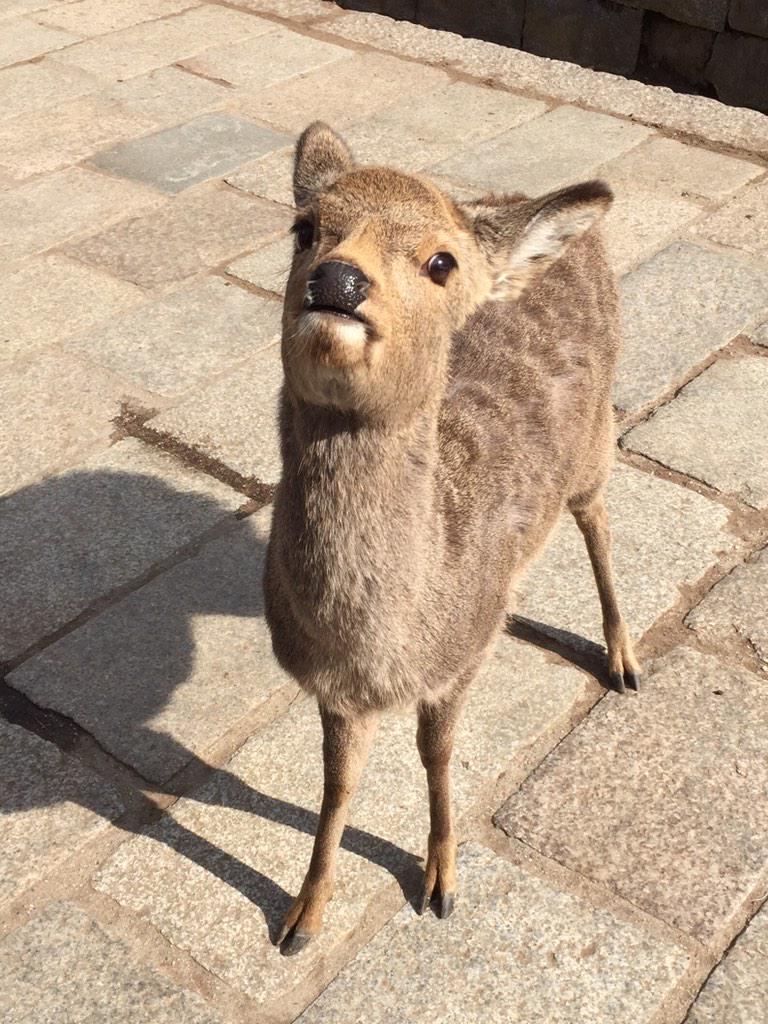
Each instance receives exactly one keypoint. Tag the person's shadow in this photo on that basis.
(68, 542)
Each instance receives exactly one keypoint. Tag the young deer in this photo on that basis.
(448, 372)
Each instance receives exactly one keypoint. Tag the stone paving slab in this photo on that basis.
(9, 8)
(302, 10)
(50, 298)
(696, 115)
(737, 990)
(169, 95)
(677, 308)
(342, 93)
(23, 39)
(715, 430)
(46, 212)
(54, 411)
(445, 119)
(743, 223)
(557, 149)
(735, 611)
(161, 675)
(176, 342)
(661, 797)
(63, 967)
(760, 334)
(64, 134)
(27, 88)
(81, 534)
(204, 148)
(515, 951)
(97, 17)
(192, 233)
(257, 63)
(640, 222)
(234, 420)
(268, 178)
(266, 268)
(665, 537)
(678, 169)
(217, 874)
(50, 806)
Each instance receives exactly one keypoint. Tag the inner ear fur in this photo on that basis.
(322, 157)
(523, 238)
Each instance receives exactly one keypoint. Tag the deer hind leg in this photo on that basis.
(434, 738)
(623, 666)
(346, 742)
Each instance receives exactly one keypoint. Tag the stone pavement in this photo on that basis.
(159, 775)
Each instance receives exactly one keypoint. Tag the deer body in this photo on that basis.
(427, 455)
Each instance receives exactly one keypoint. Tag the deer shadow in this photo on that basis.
(87, 533)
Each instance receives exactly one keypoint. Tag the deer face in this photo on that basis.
(387, 268)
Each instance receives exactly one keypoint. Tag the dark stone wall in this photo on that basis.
(715, 47)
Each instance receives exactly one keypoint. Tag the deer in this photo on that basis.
(448, 369)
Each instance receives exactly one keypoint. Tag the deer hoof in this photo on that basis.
(294, 942)
(633, 680)
(617, 682)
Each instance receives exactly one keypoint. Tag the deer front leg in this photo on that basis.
(434, 738)
(623, 666)
(346, 742)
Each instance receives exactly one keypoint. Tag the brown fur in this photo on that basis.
(427, 457)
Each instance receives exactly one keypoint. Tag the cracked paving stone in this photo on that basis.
(660, 797)
(50, 806)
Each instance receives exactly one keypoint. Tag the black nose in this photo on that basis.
(337, 285)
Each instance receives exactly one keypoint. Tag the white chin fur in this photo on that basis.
(351, 332)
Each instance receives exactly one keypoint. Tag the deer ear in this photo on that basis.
(523, 238)
(321, 158)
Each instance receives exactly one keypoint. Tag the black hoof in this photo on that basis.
(617, 682)
(445, 905)
(633, 680)
(293, 943)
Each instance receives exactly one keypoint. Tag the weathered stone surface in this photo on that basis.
(674, 168)
(342, 93)
(390, 8)
(525, 72)
(301, 10)
(53, 410)
(231, 855)
(253, 65)
(760, 334)
(50, 806)
(169, 95)
(445, 120)
(603, 36)
(268, 267)
(681, 49)
(30, 87)
(738, 69)
(715, 429)
(500, 21)
(234, 420)
(661, 798)
(48, 211)
(9, 8)
(640, 222)
(704, 13)
(665, 537)
(678, 307)
(534, 936)
(171, 345)
(193, 232)
(204, 148)
(64, 134)
(742, 223)
(61, 966)
(749, 16)
(23, 39)
(557, 149)
(159, 676)
(735, 613)
(269, 178)
(97, 17)
(81, 534)
(50, 298)
(737, 991)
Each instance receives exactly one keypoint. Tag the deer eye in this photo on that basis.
(304, 230)
(439, 267)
